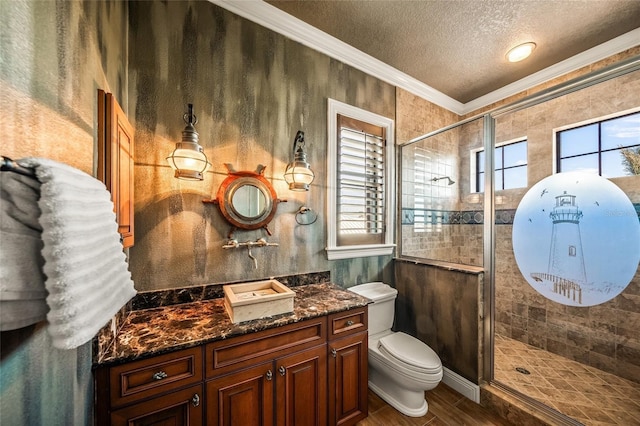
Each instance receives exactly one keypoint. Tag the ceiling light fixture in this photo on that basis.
(520, 52)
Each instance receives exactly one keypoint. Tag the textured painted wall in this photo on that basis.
(252, 89)
(53, 57)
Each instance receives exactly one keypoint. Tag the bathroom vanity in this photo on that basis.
(191, 365)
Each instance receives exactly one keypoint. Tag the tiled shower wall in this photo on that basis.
(438, 223)
(605, 336)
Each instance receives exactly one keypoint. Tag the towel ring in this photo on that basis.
(303, 211)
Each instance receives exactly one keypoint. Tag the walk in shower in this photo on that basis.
(540, 199)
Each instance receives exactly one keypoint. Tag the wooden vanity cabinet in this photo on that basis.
(348, 367)
(152, 391)
(180, 408)
(289, 387)
(310, 373)
(288, 391)
(301, 388)
(242, 398)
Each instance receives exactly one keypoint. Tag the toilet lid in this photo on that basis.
(409, 350)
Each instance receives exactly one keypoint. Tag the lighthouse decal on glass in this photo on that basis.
(576, 239)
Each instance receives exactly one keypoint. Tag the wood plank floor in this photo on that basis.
(446, 408)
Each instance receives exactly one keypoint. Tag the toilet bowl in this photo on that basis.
(401, 367)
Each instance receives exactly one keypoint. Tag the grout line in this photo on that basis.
(569, 372)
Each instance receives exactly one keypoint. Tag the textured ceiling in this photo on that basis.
(458, 47)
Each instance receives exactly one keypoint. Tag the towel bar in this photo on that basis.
(8, 165)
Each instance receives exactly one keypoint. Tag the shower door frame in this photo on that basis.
(489, 231)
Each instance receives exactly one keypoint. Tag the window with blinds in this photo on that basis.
(360, 189)
(360, 182)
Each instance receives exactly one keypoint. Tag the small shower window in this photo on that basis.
(609, 147)
(510, 166)
(430, 189)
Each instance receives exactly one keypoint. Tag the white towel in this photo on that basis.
(22, 289)
(87, 274)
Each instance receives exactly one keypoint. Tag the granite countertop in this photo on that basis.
(159, 330)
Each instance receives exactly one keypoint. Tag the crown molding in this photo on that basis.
(271, 17)
(588, 57)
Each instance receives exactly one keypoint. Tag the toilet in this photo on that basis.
(401, 367)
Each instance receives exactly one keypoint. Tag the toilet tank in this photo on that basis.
(382, 310)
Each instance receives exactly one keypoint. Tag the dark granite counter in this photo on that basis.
(159, 330)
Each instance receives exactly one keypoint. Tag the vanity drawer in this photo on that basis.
(225, 356)
(347, 322)
(149, 377)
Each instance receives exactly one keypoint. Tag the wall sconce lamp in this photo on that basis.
(188, 159)
(298, 173)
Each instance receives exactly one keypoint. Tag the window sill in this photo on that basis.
(348, 252)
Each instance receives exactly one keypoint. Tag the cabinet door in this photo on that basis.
(115, 161)
(348, 374)
(243, 398)
(179, 408)
(302, 388)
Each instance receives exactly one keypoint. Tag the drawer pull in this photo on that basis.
(269, 375)
(333, 352)
(160, 375)
(282, 370)
(349, 323)
(195, 401)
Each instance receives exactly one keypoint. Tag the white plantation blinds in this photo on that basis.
(361, 182)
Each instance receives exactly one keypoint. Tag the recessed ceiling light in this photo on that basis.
(520, 52)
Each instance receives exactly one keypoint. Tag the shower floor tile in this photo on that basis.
(591, 396)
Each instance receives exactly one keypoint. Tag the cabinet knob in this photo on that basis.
(333, 352)
(349, 323)
(269, 375)
(195, 401)
(282, 370)
(160, 375)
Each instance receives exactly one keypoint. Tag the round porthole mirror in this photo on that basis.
(246, 199)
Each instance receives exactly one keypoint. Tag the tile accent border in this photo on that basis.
(465, 217)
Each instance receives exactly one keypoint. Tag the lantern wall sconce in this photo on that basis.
(188, 159)
(298, 173)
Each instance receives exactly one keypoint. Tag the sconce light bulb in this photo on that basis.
(188, 159)
(298, 173)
